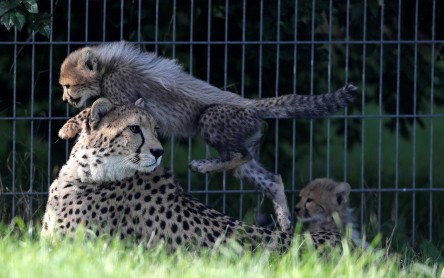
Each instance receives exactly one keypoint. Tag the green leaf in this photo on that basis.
(6, 20)
(31, 6)
(40, 23)
(18, 19)
(6, 6)
(45, 31)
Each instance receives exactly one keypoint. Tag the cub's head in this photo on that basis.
(320, 199)
(80, 76)
(121, 141)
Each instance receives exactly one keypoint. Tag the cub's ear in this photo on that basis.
(342, 191)
(75, 125)
(99, 109)
(140, 103)
(88, 59)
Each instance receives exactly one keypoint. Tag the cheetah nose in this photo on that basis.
(297, 210)
(156, 152)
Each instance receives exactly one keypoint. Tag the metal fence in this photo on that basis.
(386, 145)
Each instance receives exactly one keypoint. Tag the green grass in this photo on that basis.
(24, 254)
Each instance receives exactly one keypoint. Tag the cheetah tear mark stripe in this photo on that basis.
(143, 142)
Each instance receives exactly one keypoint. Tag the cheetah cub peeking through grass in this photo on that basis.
(183, 105)
(324, 210)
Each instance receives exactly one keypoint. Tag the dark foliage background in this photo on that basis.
(391, 52)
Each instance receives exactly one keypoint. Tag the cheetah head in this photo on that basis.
(80, 76)
(321, 198)
(121, 141)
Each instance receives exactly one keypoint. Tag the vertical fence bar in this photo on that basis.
(364, 55)
(295, 70)
(398, 84)
(347, 47)
(226, 46)
(68, 50)
(207, 149)
(14, 122)
(104, 21)
(156, 29)
(381, 62)
(190, 143)
(121, 19)
(261, 43)
(50, 96)
(276, 132)
(86, 19)
(173, 138)
(330, 23)
(139, 19)
(224, 177)
(261, 33)
(31, 154)
(432, 95)
(415, 76)
(311, 85)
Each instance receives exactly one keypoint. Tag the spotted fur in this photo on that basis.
(183, 105)
(113, 184)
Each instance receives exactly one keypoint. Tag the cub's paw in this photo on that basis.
(200, 166)
(69, 130)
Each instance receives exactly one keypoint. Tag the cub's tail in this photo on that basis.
(304, 106)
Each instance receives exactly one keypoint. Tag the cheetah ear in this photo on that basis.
(75, 125)
(88, 60)
(342, 192)
(99, 109)
(140, 103)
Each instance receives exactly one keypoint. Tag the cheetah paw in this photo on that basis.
(198, 166)
(69, 130)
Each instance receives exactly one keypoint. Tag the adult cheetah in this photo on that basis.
(113, 183)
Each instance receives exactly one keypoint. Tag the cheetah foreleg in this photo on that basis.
(230, 130)
(74, 125)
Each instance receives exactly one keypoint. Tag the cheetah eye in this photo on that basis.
(89, 65)
(156, 128)
(134, 128)
(309, 200)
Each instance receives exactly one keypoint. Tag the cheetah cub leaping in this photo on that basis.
(183, 105)
(113, 184)
(323, 200)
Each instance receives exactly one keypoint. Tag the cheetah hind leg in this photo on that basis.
(272, 186)
(236, 132)
(229, 129)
